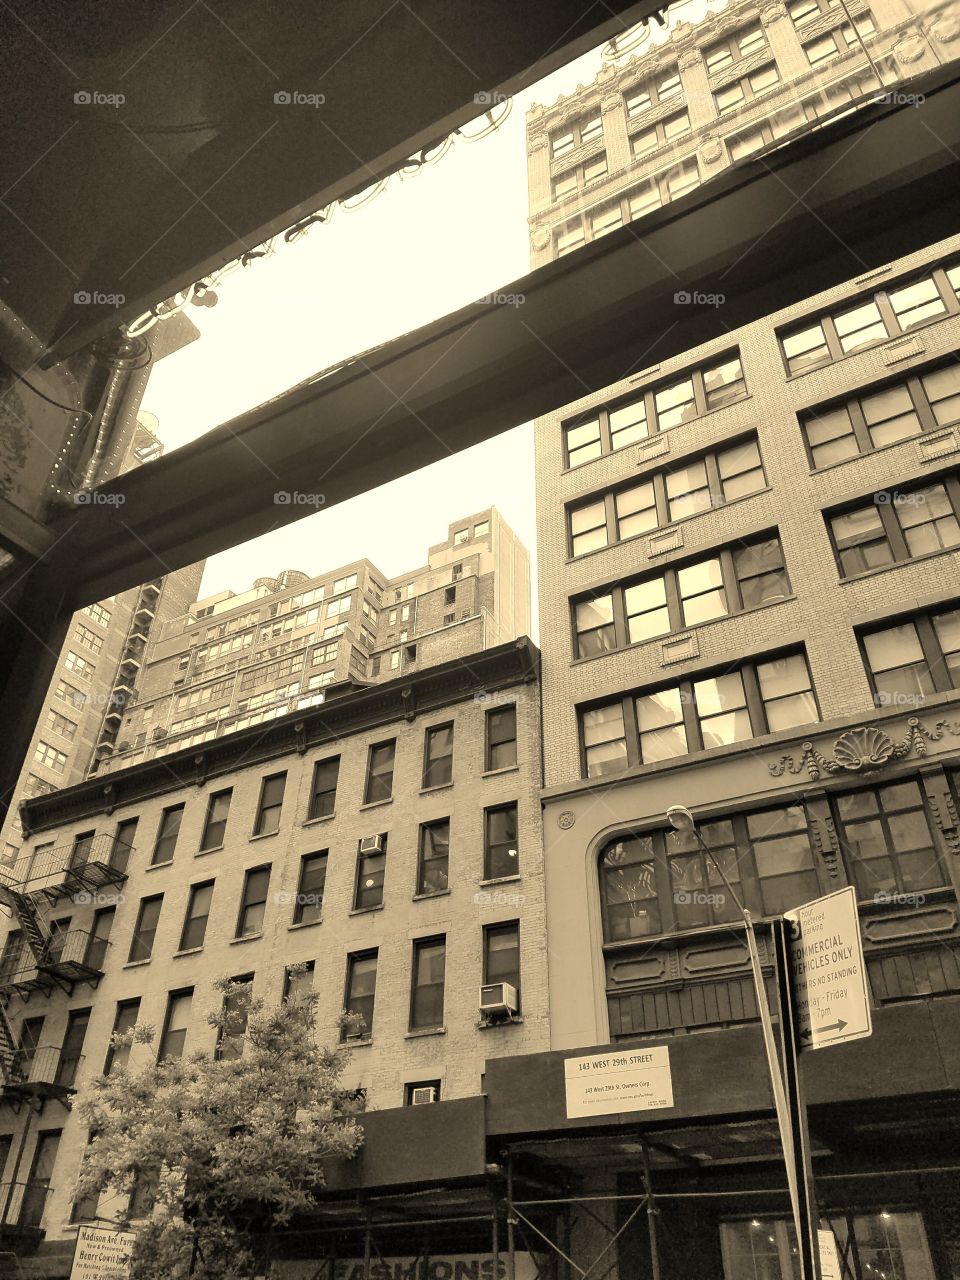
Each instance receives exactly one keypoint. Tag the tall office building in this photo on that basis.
(356, 791)
(749, 606)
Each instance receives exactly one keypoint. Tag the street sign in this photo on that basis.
(829, 974)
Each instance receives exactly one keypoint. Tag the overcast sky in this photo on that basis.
(422, 248)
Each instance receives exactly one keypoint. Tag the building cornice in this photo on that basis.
(418, 693)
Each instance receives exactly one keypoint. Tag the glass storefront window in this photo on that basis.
(869, 1246)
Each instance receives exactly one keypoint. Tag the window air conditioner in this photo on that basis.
(498, 997)
(371, 844)
(426, 1093)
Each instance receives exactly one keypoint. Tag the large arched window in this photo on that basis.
(628, 889)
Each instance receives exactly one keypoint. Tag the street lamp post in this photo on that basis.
(681, 819)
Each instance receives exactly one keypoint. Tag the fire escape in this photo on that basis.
(128, 669)
(41, 958)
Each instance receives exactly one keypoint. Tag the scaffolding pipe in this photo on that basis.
(366, 1252)
(495, 1241)
(511, 1256)
(651, 1213)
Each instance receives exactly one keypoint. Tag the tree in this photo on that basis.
(228, 1147)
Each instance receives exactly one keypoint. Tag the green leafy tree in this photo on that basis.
(228, 1148)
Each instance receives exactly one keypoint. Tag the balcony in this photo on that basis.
(130, 664)
(66, 870)
(34, 1075)
(21, 1211)
(77, 955)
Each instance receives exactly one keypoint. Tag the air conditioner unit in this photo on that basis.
(498, 997)
(371, 844)
(425, 1093)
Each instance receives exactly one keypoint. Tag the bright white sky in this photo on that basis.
(422, 248)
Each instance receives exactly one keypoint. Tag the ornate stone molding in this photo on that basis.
(689, 59)
(772, 12)
(945, 27)
(710, 150)
(824, 836)
(540, 237)
(910, 47)
(566, 820)
(864, 750)
(201, 765)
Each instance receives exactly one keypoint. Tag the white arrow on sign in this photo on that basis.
(829, 974)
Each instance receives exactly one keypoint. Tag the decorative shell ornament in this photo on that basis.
(861, 750)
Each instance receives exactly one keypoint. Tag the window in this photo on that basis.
(271, 803)
(887, 841)
(416, 1087)
(60, 725)
(576, 179)
(79, 666)
(426, 992)
(253, 904)
(561, 144)
(337, 607)
(67, 693)
(308, 907)
(371, 866)
(167, 833)
(123, 839)
(737, 578)
(99, 615)
(85, 1209)
(96, 953)
(803, 11)
(661, 89)
(500, 850)
(501, 955)
(908, 660)
(897, 525)
(236, 1008)
(215, 825)
(323, 792)
(175, 1024)
(298, 981)
(198, 912)
(659, 408)
(438, 756)
(873, 1244)
(501, 738)
(89, 639)
(125, 1018)
(145, 931)
(345, 584)
(34, 1199)
(434, 857)
(658, 135)
(71, 1051)
(481, 529)
(886, 314)
(733, 95)
(49, 757)
(741, 45)
(361, 991)
(700, 712)
(379, 785)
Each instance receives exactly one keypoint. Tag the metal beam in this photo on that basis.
(833, 205)
(191, 106)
